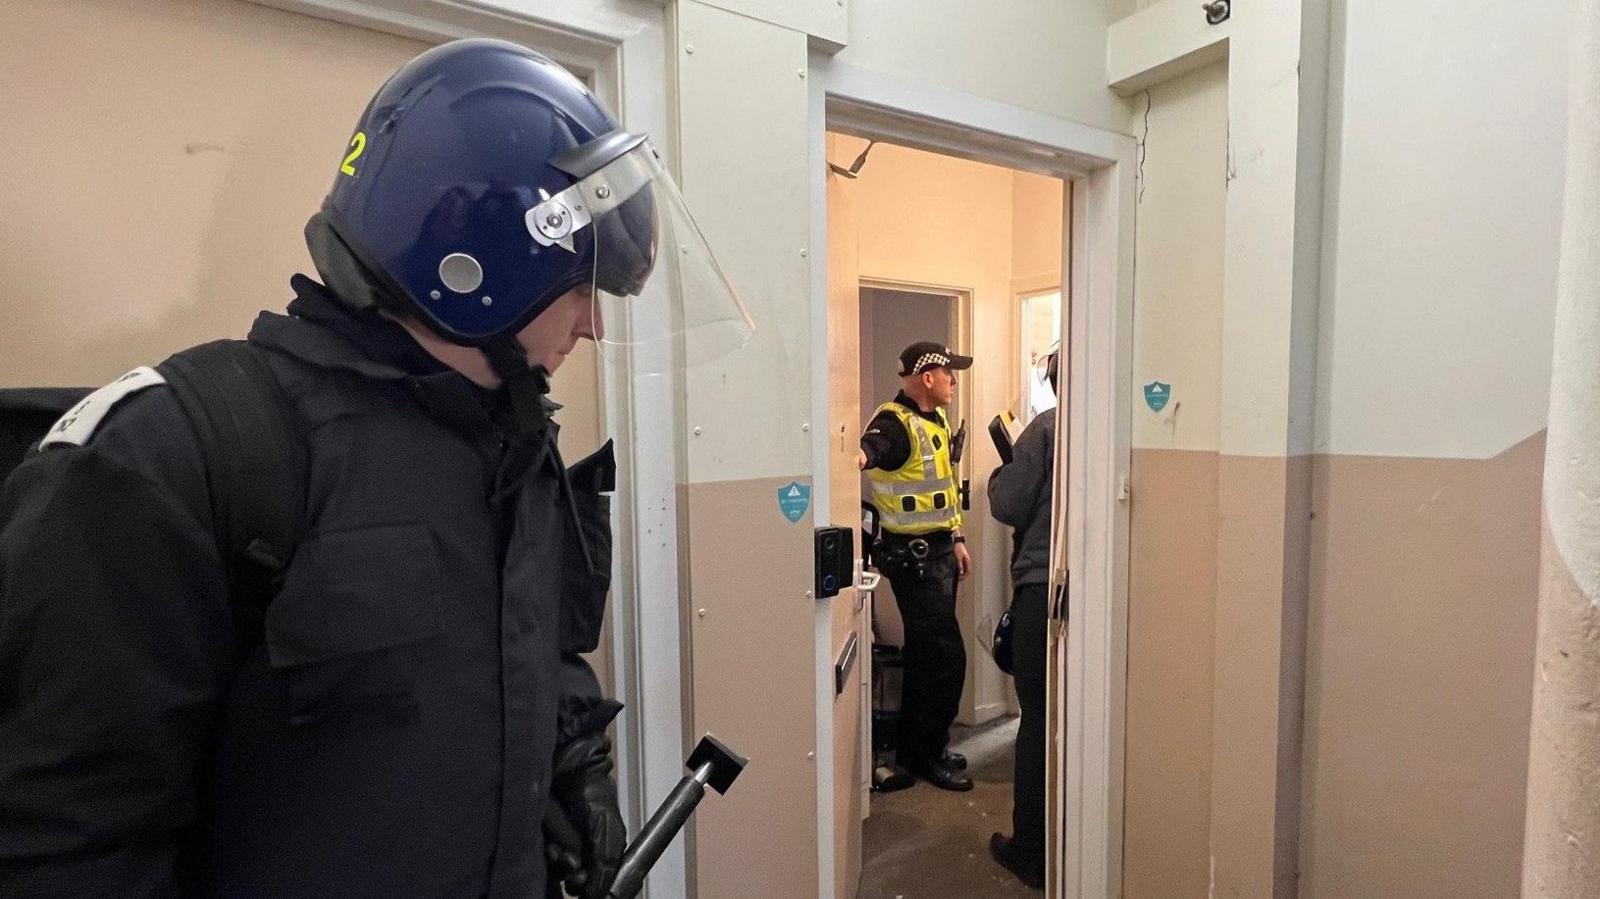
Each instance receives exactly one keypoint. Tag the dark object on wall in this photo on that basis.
(835, 560)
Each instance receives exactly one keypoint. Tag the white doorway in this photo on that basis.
(946, 248)
(893, 317)
(1087, 679)
(917, 839)
(1038, 334)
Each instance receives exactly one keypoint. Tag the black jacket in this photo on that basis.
(391, 735)
(1019, 495)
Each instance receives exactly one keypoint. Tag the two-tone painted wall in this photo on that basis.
(1441, 211)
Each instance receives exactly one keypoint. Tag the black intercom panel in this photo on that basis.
(835, 560)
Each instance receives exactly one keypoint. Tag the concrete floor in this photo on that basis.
(927, 843)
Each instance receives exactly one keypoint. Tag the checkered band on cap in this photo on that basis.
(927, 359)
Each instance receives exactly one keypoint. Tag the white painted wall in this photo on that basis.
(1444, 190)
(743, 112)
(1573, 475)
(1261, 281)
(1044, 55)
(825, 22)
(1177, 334)
(1563, 793)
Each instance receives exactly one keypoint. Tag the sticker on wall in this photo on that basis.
(1156, 395)
(794, 498)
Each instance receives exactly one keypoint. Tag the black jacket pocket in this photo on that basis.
(356, 607)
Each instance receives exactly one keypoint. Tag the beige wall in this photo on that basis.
(935, 220)
(751, 665)
(1036, 223)
(1172, 592)
(1424, 579)
(158, 198)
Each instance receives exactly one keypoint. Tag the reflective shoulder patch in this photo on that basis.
(79, 424)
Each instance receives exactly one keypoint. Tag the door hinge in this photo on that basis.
(1124, 490)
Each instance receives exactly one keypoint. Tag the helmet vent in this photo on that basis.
(460, 272)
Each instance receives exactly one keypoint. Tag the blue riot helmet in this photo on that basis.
(484, 181)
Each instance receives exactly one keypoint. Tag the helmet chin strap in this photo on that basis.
(526, 385)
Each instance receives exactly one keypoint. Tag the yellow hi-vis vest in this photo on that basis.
(919, 497)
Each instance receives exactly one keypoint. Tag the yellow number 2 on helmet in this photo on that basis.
(357, 144)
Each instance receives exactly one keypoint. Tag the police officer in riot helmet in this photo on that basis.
(407, 713)
(908, 454)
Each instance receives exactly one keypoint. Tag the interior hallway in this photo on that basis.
(927, 843)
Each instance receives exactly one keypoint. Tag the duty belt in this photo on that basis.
(919, 547)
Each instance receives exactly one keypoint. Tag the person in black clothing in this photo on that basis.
(910, 463)
(1020, 496)
(408, 711)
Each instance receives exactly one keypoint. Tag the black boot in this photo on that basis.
(939, 774)
(1000, 847)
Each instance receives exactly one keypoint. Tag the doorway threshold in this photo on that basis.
(927, 843)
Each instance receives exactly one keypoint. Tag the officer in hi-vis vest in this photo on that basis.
(907, 454)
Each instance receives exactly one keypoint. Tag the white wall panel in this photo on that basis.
(1044, 55)
(742, 124)
(1436, 336)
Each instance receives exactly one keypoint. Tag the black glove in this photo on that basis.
(584, 833)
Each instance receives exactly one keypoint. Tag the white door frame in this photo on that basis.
(620, 47)
(1087, 863)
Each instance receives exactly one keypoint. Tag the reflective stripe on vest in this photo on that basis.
(926, 480)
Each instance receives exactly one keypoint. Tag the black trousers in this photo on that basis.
(935, 655)
(1028, 614)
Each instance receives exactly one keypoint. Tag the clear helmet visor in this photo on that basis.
(661, 301)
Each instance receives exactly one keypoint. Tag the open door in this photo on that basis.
(1058, 754)
(851, 644)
